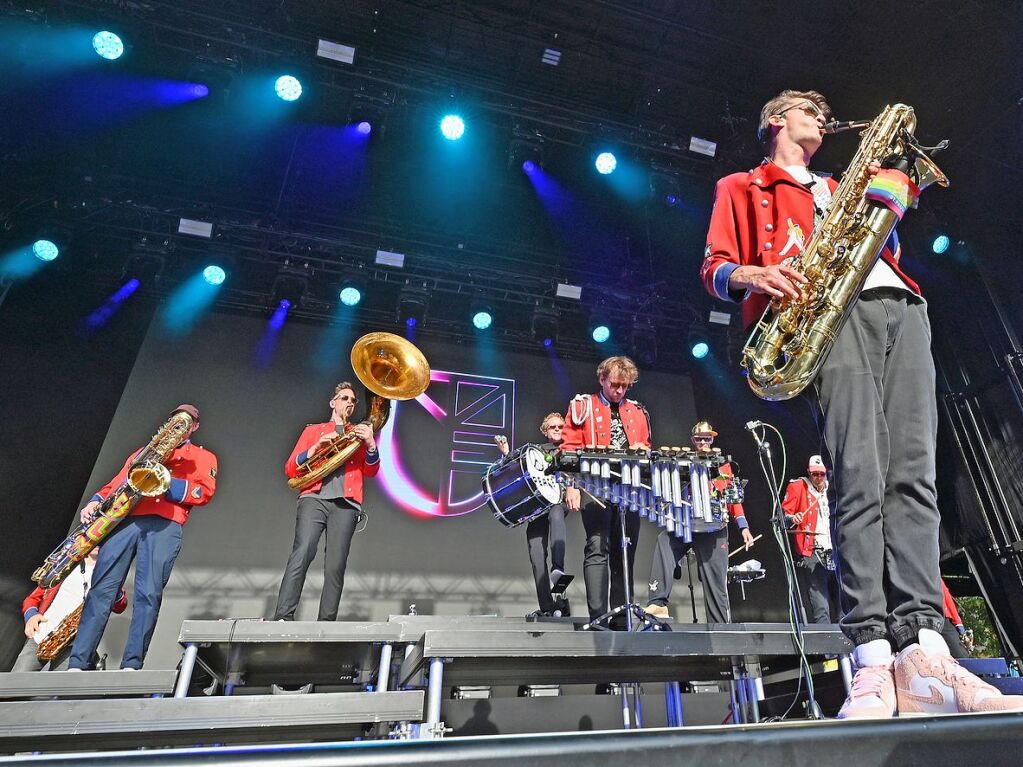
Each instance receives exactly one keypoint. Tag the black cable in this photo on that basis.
(788, 562)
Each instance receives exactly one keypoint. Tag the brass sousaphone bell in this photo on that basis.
(391, 368)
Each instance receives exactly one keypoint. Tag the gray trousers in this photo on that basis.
(878, 413)
(815, 586)
(602, 556)
(27, 660)
(548, 526)
(711, 562)
(316, 516)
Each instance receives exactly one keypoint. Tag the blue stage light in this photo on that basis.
(605, 163)
(548, 343)
(411, 322)
(452, 127)
(350, 295)
(288, 88)
(214, 275)
(108, 45)
(482, 319)
(601, 333)
(700, 350)
(45, 250)
(364, 128)
(940, 244)
(529, 166)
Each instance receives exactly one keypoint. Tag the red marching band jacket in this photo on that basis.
(355, 468)
(798, 499)
(761, 218)
(735, 510)
(588, 422)
(193, 482)
(40, 599)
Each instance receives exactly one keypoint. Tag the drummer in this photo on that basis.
(546, 534)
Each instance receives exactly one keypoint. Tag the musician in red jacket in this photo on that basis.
(45, 609)
(808, 514)
(606, 419)
(875, 393)
(332, 506)
(151, 533)
(710, 545)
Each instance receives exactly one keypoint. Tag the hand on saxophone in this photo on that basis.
(32, 624)
(88, 512)
(777, 280)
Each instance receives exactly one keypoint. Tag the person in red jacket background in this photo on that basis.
(332, 506)
(50, 607)
(711, 546)
(957, 636)
(151, 533)
(808, 513)
(606, 419)
(875, 395)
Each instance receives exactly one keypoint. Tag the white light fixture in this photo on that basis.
(195, 228)
(551, 57)
(325, 49)
(569, 291)
(702, 146)
(720, 318)
(386, 258)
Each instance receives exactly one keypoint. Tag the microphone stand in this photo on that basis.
(795, 597)
(692, 593)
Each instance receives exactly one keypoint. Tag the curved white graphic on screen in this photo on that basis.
(468, 409)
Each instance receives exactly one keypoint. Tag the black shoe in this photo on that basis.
(561, 608)
(560, 582)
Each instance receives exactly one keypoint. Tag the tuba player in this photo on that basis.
(331, 506)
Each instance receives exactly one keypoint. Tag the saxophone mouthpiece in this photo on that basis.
(841, 127)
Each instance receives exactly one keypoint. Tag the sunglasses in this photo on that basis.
(347, 398)
(556, 426)
(811, 109)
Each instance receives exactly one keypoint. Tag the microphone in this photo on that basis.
(834, 126)
(751, 425)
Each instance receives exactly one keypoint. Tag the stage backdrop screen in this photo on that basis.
(428, 538)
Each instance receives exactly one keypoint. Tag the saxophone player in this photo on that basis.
(332, 506)
(875, 397)
(151, 533)
(45, 610)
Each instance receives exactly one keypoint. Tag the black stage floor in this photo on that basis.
(991, 740)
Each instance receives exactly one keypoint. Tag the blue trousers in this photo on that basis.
(154, 542)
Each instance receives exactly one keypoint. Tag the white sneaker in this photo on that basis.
(872, 695)
(937, 684)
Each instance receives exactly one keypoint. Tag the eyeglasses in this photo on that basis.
(347, 398)
(555, 426)
(809, 108)
(703, 439)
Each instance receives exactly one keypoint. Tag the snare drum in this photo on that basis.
(519, 489)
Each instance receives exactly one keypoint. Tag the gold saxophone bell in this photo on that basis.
(391, 368)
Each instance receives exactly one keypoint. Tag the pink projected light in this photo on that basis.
(473, 394)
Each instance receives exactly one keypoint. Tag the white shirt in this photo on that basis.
(823, 530)
(881, 274)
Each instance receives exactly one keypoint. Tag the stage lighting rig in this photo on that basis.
(643, 339)
(412, 303)
(664, 189)
(526, 150)
(544, 326)
(290, 284)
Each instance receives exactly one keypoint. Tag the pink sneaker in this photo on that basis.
(872, 695)
(937, 684)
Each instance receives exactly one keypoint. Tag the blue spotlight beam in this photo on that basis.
(186, 305)
(288, 88)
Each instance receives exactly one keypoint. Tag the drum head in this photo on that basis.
(534, 461)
